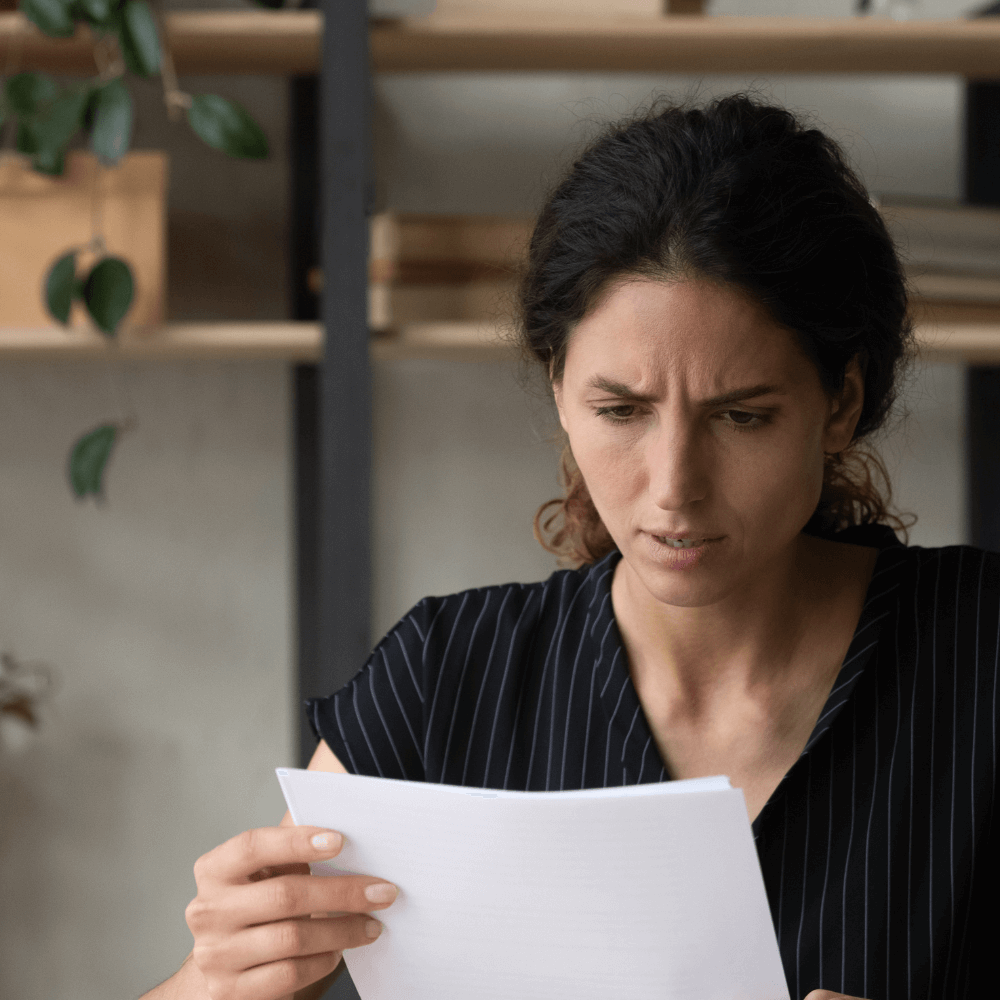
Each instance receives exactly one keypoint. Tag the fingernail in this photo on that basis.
(327, 841)
(373, 928)
(381, 892)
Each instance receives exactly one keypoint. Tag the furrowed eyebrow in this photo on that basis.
(622, 391)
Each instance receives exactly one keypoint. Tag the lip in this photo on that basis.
(678, 559)
(675, 536)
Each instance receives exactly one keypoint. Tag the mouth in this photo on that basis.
(683, 543)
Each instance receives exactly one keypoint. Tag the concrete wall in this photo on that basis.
(167, 612)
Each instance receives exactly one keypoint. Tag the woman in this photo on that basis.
(723, 318)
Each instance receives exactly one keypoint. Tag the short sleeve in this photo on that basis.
(374, 724)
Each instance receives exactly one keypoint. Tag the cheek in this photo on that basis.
(611, 464)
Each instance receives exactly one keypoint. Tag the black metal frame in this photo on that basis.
(331, 194)
(982, 382)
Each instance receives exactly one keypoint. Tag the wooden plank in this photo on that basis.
(956, 333)
(257, 42)
(288, 42)
(170, 342)
(684, 44)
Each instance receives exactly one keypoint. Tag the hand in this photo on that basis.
(829, 995)
(262, 924)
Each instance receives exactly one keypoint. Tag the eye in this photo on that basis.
(617, 414)
(741, 420)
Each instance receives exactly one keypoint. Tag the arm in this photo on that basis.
(259, 918)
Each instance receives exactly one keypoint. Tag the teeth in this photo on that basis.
(682, 543)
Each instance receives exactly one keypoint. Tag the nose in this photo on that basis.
(677, 461)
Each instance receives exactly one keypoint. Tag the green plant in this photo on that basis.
(48, 116)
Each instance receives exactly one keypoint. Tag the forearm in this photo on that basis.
(187, 983)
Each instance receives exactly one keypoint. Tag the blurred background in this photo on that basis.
(165, 611)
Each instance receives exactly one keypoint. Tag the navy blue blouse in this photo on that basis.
(878, 846)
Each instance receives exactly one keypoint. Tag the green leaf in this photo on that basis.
(139, 39)
(26, 138)
(60, 286)
(111, 129)
(88, 459)
(98, 12)
(49, 161)
(108, 292)
(226, 126)
(52, 16)
(27, 91)
(47, 134)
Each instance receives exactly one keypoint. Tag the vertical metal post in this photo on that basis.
(304, 258)
(344, 615)
(982, 382)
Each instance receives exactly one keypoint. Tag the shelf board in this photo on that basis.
(688, 43)
(955, 332)
(255, 42)
(288, 43)
(170, 342)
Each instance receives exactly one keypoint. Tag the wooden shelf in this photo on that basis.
(288, 43)
(684, 43)
(956, 332)
(255, 42)
(172, 341)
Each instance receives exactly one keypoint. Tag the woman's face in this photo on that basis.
(692, 414)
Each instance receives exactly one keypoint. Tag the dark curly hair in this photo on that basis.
(743, 194)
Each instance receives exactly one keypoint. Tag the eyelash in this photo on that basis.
(608, 413)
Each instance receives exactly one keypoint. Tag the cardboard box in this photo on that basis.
(42, 218)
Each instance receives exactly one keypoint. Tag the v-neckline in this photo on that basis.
(620, 699)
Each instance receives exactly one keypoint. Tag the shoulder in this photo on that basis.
(443, 658)
(950, 594)
(453, 621)
(969, 570)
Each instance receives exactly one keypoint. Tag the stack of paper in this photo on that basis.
(648, 892)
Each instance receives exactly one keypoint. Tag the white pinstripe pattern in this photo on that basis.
(870, 843)
(462, 675)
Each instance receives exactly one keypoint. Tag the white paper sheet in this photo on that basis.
(649, 892)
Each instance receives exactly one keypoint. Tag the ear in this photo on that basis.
(557, 393)
(845, 410)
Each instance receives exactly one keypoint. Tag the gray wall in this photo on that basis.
(167, 611)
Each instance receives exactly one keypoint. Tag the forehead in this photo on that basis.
(647, 332)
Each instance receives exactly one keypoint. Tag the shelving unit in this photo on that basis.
(289, 43)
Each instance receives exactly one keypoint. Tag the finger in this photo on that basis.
(266, 847)
(273, 871)
(291, 939)
(285, 977)
(291, 896)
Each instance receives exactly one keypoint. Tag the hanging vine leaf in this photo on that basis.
(52, 16)
(61, 287)
(26, 92)
(108, 292)
(139, 39)
(226, 126)
(88, 459)
(111, 116)
(99, 13)
(47, 135)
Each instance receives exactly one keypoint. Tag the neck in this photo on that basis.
(746, 641)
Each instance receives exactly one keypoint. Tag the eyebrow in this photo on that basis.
(624, 391)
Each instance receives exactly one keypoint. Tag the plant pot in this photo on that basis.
(42, 218)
